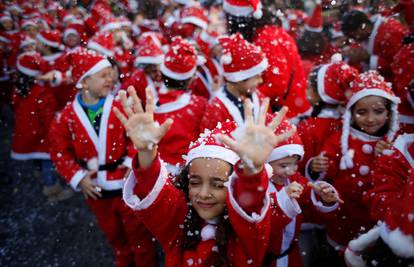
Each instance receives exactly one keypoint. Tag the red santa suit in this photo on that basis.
(156, 200)
(34, 111)
(207, 75)
(186, 110)
(384, 42)
(351, 159)
(78, 147)
(284, 81)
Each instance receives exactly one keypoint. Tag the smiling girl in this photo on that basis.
(370, 122)
(220, 217)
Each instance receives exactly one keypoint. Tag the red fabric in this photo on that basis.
(284, 61)
(170, 207)
(200, 85)
(185, 128)
(71, 142)
(352, 184)
(130, 240)
(33, 117)
(314, 132)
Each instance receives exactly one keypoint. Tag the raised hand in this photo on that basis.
(140, 126)
(326, 192)
(256, 140)
(294, 190)
(319, 163)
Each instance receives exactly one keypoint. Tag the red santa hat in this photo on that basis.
(28, 22)
(52, 38)
(103, 43)
(111, 23)
(206, 40)
(86, 63)
(125, 22)
(31, 64)
(366, 84)
(149, 50)
(194, 15)
(334, 79)
(335, 30)
(241, 60)
(14, 7)
(289, 147)
(26, 40)
(180, 62)
(207, 145)
(5, 16)
(73, 28)
(315, 22)
(243, 8)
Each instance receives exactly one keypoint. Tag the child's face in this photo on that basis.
(312, 95)
(72, 40)
(285, 167)
(153, 71)
(248, 86)
(31, 31)
(99, 84)
(7, 25)
(370, 114)
(207, 191)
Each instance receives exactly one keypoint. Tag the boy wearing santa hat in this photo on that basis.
(91, 151)
(243, 64)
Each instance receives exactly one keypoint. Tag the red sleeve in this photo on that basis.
(151, 173)
(47, 107)
(332, 151)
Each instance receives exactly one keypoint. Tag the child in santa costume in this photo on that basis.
(92, 152)
(175, 101)
(326, 90)
(311, 200)
(380, 39)
(34, 105)
(207, 222)
(146, 73)
(369, 125)
(243, 64)
(390, 243)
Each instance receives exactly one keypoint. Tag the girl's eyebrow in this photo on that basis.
(218, 179)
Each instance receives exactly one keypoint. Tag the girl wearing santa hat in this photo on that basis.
(370, 123)
(390, 199)
(311, 200)
(35, 106)
(92, 152)
(207, 222)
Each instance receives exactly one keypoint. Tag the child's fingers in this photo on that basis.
(149, 107)
(125, 104)
(120, 116)
(136, 100)
(165, 126)
(248, 114)
(263, 112)
(278, 119)
(228, 142)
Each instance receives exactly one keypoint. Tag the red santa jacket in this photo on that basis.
(33, 115)
(140, 81)
(187, 111)
(76, 148)
(406, 114)
(157, 200)
(284, 240)
(314, 132)
(221, 109)
(284, 81)
(384, 42)
(353, 184)
(203, 84)
(390, 176)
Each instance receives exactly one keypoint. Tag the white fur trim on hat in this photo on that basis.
(99, 48)
(111, 26)
(371, 92)
(49, 43)
(212, 151)
(286, 151)
(238, 76)
(238, 11)
(69, 31)
(313, 29)
(175, 75)
(104, 63)
(27, 71)
(196, 21)
(148, 60)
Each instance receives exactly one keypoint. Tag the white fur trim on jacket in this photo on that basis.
(179, 103)
(28, 156)
(254, 217)
(133, 201)
(318, 204)
(289, 206)
(400, 243)
(76, 178)
(238, 76)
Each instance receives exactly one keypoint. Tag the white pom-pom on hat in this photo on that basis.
(226, 59)
(336, 58)
(201, 60)
(257, 14)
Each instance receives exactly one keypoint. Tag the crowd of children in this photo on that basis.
(222, 133)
